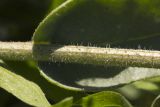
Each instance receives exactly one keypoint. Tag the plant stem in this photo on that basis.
(79, 54)
(16, 51)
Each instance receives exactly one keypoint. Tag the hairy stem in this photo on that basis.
(79, 54)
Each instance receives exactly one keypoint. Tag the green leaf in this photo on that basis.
(23, 89)
(104, 99)
(4, 96)
(56, 3)
(96, 22)
(68, 102)
(31, 72)
(147, 85)
(101, 99)
(102, 22)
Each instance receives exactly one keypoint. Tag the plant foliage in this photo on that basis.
(119, 23)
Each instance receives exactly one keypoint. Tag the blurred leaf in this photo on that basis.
(68, 102)
(23, 89)
(104, 99)
(130, 92)
(101, 99)
(126, 76)
(147, 85)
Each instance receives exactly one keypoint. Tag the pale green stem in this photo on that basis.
(79, 54)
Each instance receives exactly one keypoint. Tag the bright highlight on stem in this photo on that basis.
(79, 54)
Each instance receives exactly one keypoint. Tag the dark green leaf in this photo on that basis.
(99, 22)
(96, 22)
(101, 99)
(104, 99)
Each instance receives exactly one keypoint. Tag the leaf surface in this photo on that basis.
(105, 99)
(101, 99)
(68, 102)
(96, 22)
(23, 89)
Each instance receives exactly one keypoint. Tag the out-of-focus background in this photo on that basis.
(18, 20)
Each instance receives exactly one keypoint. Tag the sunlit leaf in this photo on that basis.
(23, 89)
